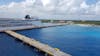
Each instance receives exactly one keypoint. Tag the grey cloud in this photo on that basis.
(54, 9)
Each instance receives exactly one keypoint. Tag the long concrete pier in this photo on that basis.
(32, 42)
(28, 27)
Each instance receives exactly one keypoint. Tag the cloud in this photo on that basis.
(50, 9)
(97, 8)
(16, 10)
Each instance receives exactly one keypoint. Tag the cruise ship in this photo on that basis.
(9, 24)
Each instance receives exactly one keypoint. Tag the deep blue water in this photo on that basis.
(12, 47)
(72, 39)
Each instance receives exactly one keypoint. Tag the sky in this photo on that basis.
(51, 9)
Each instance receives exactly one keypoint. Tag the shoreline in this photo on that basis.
(88, 25)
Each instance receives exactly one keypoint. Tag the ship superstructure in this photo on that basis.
(18, 24)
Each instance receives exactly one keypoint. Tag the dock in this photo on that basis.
(41, 46)
(28, 27)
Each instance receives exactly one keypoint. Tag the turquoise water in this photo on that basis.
(72, 39)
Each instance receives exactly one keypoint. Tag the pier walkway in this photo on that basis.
(28, 27)
(32, 42)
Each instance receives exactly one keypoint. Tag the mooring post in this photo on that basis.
(46, 54)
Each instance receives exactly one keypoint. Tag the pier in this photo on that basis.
(27, 27)
(49, 51)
